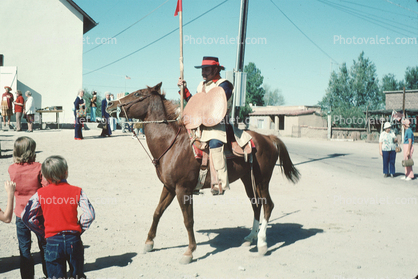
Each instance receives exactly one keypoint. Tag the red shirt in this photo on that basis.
(9, 97)
(28, 179)
(59, 204)
(19, 100)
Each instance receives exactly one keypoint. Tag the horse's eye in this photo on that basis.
(136, 94)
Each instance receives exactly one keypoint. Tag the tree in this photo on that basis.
(350, 92)
(411, 78)
(365, 85)
(338, 93)
(255, 93)
(273, 97)
(389, 83)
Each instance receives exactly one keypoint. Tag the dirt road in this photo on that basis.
(342, 220)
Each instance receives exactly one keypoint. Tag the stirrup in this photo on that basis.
(217, 191)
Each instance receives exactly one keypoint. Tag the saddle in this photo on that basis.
(232, 150)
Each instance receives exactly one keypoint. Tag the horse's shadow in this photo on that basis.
(233, 237)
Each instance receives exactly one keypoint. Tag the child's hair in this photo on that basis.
(55, 169)
(24, 150)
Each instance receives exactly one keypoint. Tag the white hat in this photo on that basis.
(387, 125)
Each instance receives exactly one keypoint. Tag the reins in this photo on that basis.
(155, 162)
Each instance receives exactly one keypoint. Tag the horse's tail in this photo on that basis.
(286, 165)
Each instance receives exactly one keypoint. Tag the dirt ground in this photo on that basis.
(342, 220)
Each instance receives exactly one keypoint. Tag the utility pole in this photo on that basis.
(240, 50)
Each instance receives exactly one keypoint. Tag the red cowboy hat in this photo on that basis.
(209, 61)
(8, 87)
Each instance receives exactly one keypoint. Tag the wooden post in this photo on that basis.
(181, 61)
(403, 114)
(179, 11)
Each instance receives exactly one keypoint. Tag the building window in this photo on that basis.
(1, 60)
(260, 123)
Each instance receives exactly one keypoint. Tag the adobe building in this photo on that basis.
(286, 120)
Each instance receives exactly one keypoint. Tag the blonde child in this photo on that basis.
(27, 175)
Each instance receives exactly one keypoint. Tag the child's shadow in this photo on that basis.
(13, 262)
(105, 262)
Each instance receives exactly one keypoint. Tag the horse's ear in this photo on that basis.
(158, 87)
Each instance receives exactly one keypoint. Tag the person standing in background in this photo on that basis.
(30, 110)
(122, 117)
(19, 103)
(105, 116)
(112, 119)
(6, 105)
(408, 149)
(93, 107)
(79, 104)
(387, 147)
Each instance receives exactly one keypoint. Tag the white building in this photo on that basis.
(41, 50)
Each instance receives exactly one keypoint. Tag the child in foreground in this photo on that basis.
(27, 175)
(52, 212)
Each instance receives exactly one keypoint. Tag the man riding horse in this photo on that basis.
(216, 136)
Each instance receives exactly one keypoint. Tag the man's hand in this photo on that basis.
(180, 81)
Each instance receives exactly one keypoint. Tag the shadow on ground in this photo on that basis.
(276, 233)
(13, 262)
(109, 261)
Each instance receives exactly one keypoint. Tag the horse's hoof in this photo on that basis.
(186, 259)
(148, 248)
(246, 244)
(262, 250)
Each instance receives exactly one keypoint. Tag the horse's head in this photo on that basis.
(135, 105)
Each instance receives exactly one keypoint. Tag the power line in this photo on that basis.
(384, 18)
(304, 33)
(159, 39)
(358, 14)
(127, 27)
(401, 6)
(374, 8)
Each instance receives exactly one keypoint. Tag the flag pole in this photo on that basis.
(179, 10)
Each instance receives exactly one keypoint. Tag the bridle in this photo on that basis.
(154, 161)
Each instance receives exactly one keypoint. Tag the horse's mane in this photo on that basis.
(171, 109)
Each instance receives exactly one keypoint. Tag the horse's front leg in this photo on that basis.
(165, 200)
(185, 199)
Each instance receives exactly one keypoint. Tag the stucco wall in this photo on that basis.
(44, 40)
(395, 100)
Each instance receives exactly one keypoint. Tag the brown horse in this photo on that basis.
(178, 169)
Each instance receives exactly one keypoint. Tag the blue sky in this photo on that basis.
(288, 60)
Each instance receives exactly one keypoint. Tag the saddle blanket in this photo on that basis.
(198, 153)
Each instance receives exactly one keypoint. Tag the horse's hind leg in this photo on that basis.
(268, 208)
(165, 200)
(256, 209)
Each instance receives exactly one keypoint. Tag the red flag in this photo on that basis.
(179, 7)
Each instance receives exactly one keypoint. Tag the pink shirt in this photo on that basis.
(28, 179)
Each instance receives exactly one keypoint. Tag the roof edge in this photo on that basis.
(88, 22)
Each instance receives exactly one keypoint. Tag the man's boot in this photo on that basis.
(219, 162)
